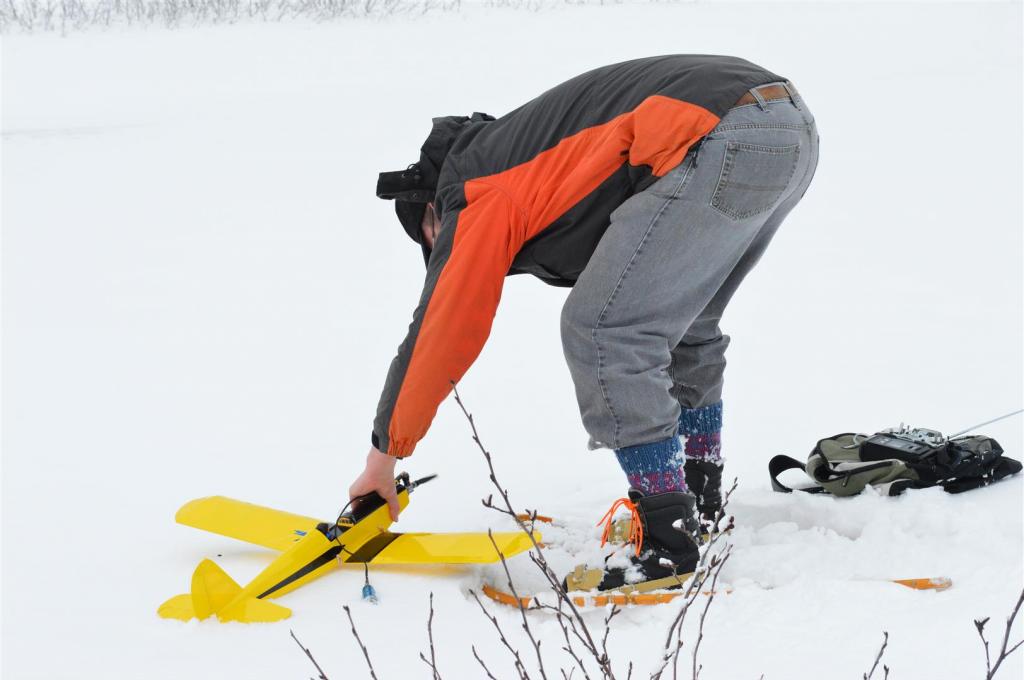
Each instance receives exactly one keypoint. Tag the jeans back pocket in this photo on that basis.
(753, 178)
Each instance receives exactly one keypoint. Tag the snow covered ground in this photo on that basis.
(201, 295)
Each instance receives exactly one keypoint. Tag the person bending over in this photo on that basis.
(651, 188)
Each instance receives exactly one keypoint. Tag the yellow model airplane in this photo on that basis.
(311, 548)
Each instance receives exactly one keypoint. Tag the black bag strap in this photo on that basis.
(780, 464)
(996, 470)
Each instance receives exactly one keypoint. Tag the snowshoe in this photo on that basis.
(663, 530)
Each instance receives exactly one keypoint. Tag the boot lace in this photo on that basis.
(636, 527)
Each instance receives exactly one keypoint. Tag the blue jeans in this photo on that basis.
(640, 329)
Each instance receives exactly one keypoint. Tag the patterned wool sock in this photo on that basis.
(654, 468)
(702, 428)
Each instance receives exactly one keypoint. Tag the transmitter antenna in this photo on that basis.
(987, 422)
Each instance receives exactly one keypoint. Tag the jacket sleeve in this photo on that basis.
(467, 269)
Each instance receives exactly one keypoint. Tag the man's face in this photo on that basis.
(430, 225)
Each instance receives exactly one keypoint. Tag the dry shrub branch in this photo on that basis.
(577, 633)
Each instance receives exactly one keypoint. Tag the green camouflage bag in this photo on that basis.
(892, 462)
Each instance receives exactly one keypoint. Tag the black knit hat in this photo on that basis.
(411, 189)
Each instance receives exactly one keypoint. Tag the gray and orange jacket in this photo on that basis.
(532, 192)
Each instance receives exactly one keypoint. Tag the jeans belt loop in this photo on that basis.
(792, 94)
(761, 101)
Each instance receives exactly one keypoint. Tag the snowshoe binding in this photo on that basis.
(663, 531)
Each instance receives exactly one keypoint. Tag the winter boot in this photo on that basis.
(704, 479)
(663, 530)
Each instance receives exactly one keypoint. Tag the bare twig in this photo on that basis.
(608, 628)
(878, 657)
(568, 616)
(430, 636)
(564, 623)
(705, 573)
(322, 675)
(708, 567)
(990, 669)
(482, 664)
(518, 661)
(707, 605)
(522, 609)
(355, 634)
(708, 557)
(579, 627)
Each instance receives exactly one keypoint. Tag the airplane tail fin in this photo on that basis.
(214, 592)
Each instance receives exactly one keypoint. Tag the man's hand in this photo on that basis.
(379, 476)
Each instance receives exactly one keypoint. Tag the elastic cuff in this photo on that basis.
(395, 450)
(703, 420)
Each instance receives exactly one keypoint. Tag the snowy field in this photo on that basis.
(201, 295)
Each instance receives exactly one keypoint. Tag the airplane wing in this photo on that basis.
(280, 530)
(267, 527)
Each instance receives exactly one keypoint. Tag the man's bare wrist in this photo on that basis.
(378, 457)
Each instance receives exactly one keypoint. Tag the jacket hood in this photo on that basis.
(414, 187)
(443, 133)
